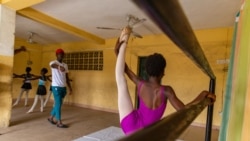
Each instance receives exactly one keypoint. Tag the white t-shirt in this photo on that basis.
(59, 77)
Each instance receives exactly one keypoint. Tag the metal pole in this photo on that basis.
(210, 112)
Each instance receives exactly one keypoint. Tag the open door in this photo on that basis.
(142, 74)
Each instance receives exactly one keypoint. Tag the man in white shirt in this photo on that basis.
(59, 80)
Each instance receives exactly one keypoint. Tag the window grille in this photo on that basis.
(87, 60)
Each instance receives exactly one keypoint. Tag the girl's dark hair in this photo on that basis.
(44, 70)
(28, 69)
(155, 64)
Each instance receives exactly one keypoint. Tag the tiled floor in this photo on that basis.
(35, 127)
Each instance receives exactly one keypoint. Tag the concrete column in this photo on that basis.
(7, 29)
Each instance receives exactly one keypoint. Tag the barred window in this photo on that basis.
(87, 60)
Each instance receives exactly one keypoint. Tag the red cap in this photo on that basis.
(59, 51)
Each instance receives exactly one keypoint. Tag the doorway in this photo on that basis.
(142, 74)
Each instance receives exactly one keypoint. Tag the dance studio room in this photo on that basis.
(124, 70)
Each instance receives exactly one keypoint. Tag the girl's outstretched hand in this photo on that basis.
(212, 97)
(206, 94)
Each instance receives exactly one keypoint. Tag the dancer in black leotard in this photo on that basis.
(26, 87)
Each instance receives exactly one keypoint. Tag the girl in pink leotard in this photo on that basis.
(152, 95)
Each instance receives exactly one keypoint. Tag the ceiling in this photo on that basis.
(89, 14)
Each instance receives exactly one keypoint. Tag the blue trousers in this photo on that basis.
(58, 93)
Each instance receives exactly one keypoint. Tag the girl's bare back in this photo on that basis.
(151, 95)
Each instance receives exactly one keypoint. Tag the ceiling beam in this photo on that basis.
(55, 23)
(20, 4)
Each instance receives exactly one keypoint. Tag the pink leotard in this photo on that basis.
(143, 116)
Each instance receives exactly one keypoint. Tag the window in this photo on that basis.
(88, 60)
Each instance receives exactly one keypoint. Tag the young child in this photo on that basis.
(26, 87)
(50, 92)
(41, 90)
(48, 96)
(152, 94)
